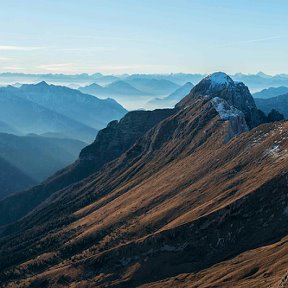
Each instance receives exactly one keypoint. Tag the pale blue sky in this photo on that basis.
(144, 36)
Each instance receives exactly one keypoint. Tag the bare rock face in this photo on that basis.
(235, 93)
(117, 137)
(236, 118)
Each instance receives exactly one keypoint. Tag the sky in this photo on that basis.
(144, 36)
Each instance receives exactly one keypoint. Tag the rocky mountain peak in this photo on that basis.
(222, 86)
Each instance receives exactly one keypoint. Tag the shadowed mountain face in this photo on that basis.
(12, 179)
(34, 156)
(279, 103)
(186, 201)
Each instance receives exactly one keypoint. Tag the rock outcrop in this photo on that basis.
(235, 93)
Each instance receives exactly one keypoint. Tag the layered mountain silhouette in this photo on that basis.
(152, 86)
(43, 108)
(111, 90)
(170, 100)
(271, 92)
(279, 103)
(12, 179)
(135, 92)
(34, 156)
(193, 196)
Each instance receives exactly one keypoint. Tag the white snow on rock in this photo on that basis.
(273, 151)
(220, 79)
(236, 118)
(225, 110)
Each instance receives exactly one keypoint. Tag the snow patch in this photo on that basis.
(225, 110)
(273, 151)
(219, 79)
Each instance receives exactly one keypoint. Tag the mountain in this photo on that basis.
(12, 179)
(94, 89)
(200, 199)
(235, 93)
(106, 80)
(173, 98)
(121, 87)
(255, 82)
(271, 92)
(152, 86)
(279, 103)
(36, 157)
(178, 78)
(44, 108)
(84, 108)
(260, 80)
(30, 117)
(109, 144)
(111, 90)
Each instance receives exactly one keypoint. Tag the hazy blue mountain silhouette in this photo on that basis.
(279, 103)
(271, 92)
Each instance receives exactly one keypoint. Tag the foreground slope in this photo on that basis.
(178, 207)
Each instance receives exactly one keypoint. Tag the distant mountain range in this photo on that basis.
(170, 100)
(33, 158)
(133, 92)
(279, 103)
(253, 81)
(114, 89)
(42, 108)
(271, 92)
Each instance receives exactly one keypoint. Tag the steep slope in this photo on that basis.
(182, 199)
(29, 117)
(37, 156)
(170, 100)
(12, 179)
(235, 93)
(279, 103)
(83, 108)
(271, 92)
(110, 143)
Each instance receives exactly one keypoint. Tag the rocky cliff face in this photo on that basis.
(117, 137)
(235, 93)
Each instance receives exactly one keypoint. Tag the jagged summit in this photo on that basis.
(42, 84)
(236, 94)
